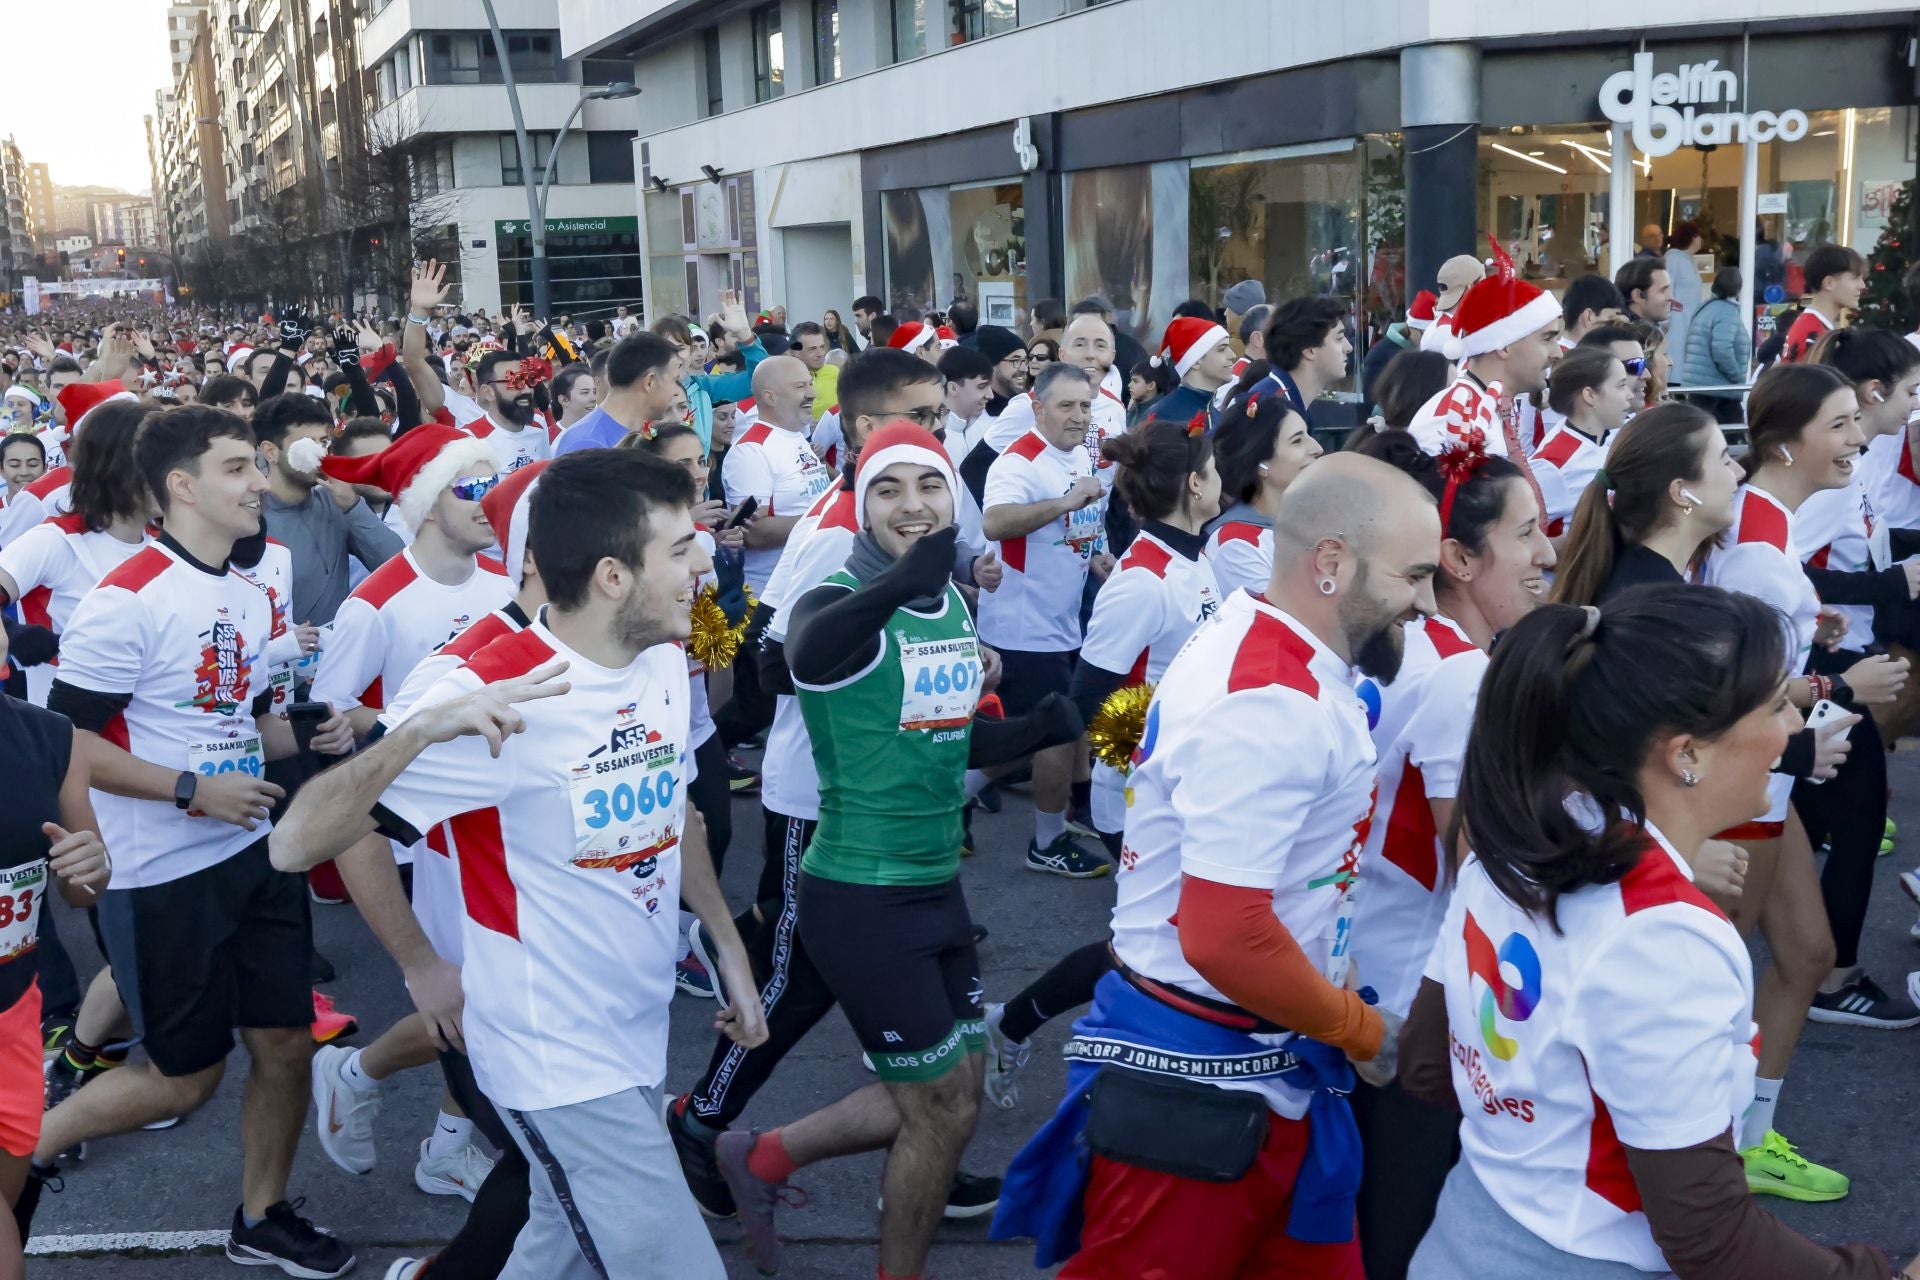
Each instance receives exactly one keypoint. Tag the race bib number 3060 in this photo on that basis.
(625, 813)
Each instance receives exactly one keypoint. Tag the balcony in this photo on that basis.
(474, 108)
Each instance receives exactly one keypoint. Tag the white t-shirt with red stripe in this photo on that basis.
(817, 548)
(1630, 1025)
(512, 450)
(1037, 606)
(777, 467)
(1241, 554)
(1838, 529)
(395, 618)
(45, 498)
(189, 645)
(1564, 465)
(1420, 734)
(569, 868)
(54, 564)
(1759, 556)
(1109, 419)
(1255, 770)
(274, 576)
(1893, 483)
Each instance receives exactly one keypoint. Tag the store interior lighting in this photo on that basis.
(1521, 155)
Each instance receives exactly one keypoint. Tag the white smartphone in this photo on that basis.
(1826, 711)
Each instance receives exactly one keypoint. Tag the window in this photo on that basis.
(710, 42)
(769, 54)
(599, 72)
(433, 168)
(469, 57)
(510, 175)
(975, 19)
(609, 156)
(826, 41)
(909, 29)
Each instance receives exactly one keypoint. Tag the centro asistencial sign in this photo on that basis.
(1664, 110)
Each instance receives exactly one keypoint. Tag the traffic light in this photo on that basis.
(143, 262)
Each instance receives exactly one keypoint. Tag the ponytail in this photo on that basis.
(1571, 703)
(1155, 459)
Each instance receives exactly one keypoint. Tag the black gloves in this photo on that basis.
(925, 569)
(32, 646)
(293, 329)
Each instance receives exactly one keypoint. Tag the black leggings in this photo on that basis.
(1409, 1148)
(1068, 985)
(480, 1249)
(712, 797)
(1849, 814)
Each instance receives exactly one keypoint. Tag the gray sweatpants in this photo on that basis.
(1472, 1237)
(608, 1200)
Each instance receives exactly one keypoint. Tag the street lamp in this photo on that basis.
(618, 89)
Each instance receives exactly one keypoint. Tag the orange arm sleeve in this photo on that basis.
(1231, 937)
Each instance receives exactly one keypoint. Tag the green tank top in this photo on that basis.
(890, 744)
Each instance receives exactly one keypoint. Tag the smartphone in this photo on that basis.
(1826, 711)
(744, 514)
(306, 719)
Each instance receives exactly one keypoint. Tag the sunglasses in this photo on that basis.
(926, 417)
(475, 489)
(1636, 367)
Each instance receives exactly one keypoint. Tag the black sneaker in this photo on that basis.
(290, 1242)
(741, 777)
(1861, 1003)
(969, 1197)
(64, 1079)
(697, 1163)
(38, 1179)
(1067, 857)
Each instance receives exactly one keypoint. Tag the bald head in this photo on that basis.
(1087, 344)
(1352, 499)
(783, 392)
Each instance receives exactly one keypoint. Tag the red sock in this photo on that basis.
(769, 1161)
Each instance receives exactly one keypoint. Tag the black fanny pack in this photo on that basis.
(1175, 1126)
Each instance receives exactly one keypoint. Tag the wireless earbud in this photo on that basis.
(1689, 496)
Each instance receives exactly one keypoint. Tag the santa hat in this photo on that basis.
(507, 509)
(911, 336)
(415, 468)
(898, 441)
(948, 339)
(237, 355)
(1499, 311)
(1188, 339)
(81, 398)
(1420, 313)
(32, 397)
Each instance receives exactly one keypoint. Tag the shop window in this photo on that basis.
(826, 41)
(1127, 238)
(1290, 220)
(975, 19)
(609, 156)
(965, 243)
(769, 54)
(909, 29)
(1543, 197)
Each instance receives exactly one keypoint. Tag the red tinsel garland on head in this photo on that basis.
(1459, 463)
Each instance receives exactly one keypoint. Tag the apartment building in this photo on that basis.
(19, 239)
(437, 87)
(197, 166)
(1154, 150)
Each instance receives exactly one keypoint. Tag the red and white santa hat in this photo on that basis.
(1498, 312)
(237, 354)
(79, 399)
(912, 336)
(415, 468)
(507, 509)
(1188, 338)
(898, 441)
(948, 338)
(1420, 312)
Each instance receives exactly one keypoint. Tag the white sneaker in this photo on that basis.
(405, 1268)
(459, 1174)
(343, 1115)
(1005, 1060)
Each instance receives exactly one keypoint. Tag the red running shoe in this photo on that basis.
(329, 1024)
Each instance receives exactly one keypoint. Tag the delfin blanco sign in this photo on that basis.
(1673, 109)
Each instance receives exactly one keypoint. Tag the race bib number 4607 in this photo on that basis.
(940, 683)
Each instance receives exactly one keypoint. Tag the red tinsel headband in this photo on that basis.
(1459, 463)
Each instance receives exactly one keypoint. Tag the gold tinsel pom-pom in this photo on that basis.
(715, 642)
(1117, 726)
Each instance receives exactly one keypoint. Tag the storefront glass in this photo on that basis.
(1127, 237)
(1289, 218)
(593, 263)
(1543, 197)
(965, 242)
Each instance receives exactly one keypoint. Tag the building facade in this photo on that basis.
(1009, 150)
(437, 89)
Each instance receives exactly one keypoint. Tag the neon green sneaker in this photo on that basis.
(1774, 1168)
(1886, 838)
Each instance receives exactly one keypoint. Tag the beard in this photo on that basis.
(1374, 636)
(518, 411)
(638, 627)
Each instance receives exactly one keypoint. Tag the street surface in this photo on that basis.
(1850, 1101)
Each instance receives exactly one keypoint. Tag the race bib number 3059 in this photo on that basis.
(227, 755)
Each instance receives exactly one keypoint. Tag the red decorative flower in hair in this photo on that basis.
(1459, 463)
(532, 372)
(1197, 425)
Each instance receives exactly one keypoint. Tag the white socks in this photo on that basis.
(1048, 827)
(357, 1079)
(977, 781)
(450, 1133)
(1766, 1097)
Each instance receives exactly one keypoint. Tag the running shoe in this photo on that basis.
(754, 1200)
(700, 950)
(39, 1178)
(989, 799)
(697, 1162)
(970, 1196)
(1775, 1168)
(459, 1174)
(407, 1269)
(290, 1242)
(343, 1116)
(1887, 835)
(1862, 1003)
(1067, 857)
(329, 1024)
(741, 777)
(64, 1079)
(1005, 1060)
(54, 1037)
(693, 978)
(1080, 822)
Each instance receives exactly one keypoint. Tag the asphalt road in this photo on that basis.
(1850, 1102)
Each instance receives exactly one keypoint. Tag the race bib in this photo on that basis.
(1085, 528)
(227, 755)
(309, 663)
(282, 685)
(939, 683)
(627, 810)
(819, 479)
(20, 892)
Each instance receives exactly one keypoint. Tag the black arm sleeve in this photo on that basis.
(1884, 588)
(973, 471)
(87, 709)
(406, 400)
(1091, 687)
(1903, 543)
(835, 631)
(362, 391)
(276, 380)
(1051, 722)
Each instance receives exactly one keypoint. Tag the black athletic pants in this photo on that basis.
(792, 992)
(712, 797)
(479, 1251)
(1068, 985)
(1849, 813)
(750, 710)
(1409, 1147)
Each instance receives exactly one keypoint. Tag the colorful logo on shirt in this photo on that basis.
(1149, 735)
(1514, 1003)
(1370, 700)
(222, 676)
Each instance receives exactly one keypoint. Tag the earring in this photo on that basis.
(1687, 510)
(1327, 587)
(1688, 778)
